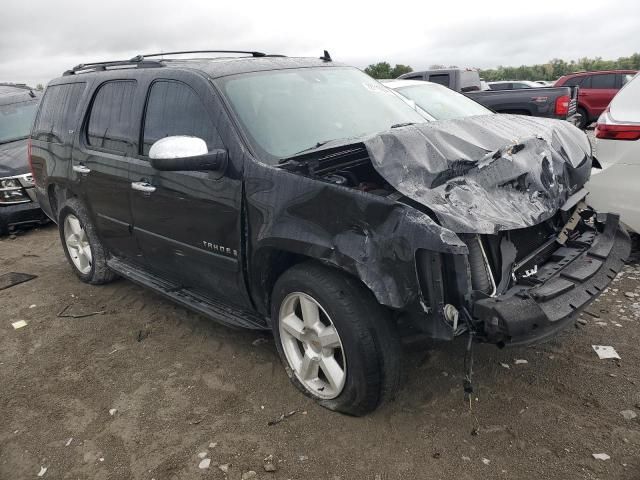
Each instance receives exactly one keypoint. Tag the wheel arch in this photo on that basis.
(270, 263)
(58, 194)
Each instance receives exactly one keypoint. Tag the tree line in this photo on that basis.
(551, 70)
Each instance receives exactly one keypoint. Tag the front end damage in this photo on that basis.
(525, 285)
(509, 188)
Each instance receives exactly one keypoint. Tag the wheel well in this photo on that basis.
(57, 196)
(585, 110)
(277, 262)
(273, 263)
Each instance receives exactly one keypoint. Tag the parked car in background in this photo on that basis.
(18, 205)
(596, 90)
(303, 197)
(615, 183)
(512, 85)
(436, 102)
(547, 102)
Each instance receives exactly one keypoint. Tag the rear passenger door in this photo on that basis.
(101, 163)
(598, 92)
(188, 223)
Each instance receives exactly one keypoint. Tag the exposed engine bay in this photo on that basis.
(348, 166)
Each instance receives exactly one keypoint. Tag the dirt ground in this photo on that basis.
(182, 385)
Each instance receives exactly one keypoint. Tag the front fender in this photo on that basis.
(368, 236)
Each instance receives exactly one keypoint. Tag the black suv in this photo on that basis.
(18, 205)
(302, 196)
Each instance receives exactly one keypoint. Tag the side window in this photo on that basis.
(518, 86)
(500, 86)
(586, 83)
(110, 124)
(574, 82)
(441, 78)
(607, 80)
(173, 108)
(58, 113)
(414, 77)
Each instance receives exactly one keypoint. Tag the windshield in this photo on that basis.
(16, 120)
(442, 103)
(288, 111)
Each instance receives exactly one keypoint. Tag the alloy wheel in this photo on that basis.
(77, 243)
(312, 345)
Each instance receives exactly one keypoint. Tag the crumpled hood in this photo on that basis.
(13, 158)
(485, 174)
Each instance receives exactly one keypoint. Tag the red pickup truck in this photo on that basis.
(596, 90)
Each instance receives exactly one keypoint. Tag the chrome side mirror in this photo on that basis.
(178, 146)
(184, 153)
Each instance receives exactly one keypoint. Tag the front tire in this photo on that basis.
(82, 247)
(338, 345)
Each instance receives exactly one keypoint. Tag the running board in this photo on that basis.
(216, 311)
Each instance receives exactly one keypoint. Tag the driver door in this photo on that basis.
(187, 223)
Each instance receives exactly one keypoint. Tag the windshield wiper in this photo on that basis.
(405, 124)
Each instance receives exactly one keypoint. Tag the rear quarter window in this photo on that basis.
(110, 125)
(58, 113)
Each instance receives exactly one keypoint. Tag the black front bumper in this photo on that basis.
(21, 214)
(572, 279)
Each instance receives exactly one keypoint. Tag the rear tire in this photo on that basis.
(359, 334)
(81, 245)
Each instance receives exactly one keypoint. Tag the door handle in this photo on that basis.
(81, 169)
(143, 187)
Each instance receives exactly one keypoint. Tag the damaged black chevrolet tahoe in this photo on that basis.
(302, 196)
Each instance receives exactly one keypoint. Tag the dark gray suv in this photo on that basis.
(18, 205)
(301, 196)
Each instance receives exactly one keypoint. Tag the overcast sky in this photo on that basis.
(39, 39)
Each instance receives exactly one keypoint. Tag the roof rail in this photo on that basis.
(140, 61)
(253, 54)
(137, 62)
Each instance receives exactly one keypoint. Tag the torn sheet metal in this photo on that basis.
(370, 236)
(485, 174)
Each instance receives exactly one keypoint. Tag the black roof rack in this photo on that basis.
(253, 54)
(139, 61)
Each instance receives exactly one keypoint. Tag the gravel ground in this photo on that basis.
(149, 390)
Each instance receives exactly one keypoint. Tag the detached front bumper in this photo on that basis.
(565, 285)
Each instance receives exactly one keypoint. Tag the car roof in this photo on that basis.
(578, 74)
(222, 67)
(212, 67)
(398, 83)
